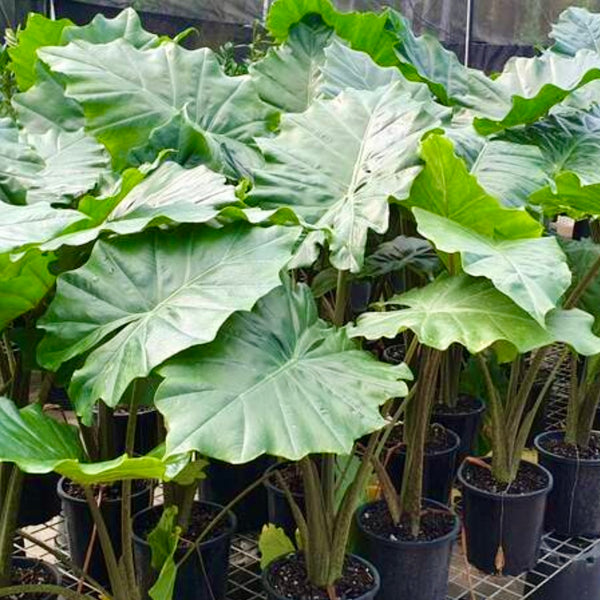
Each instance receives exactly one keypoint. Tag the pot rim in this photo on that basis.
(476, 411)
(450, 450)
(47, 567)
(413, 544)
(271, 486)
(272, 593)
(588, 462)
(64, 494)
(507, 497)
(210, 541)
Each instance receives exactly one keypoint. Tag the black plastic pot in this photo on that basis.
(225, 481)
(273, 595)
(439, 468)
(465, 425)
(202, 577)
(278, 508)
(514, 523)
(574, 503)
(54, 576)
(394, 354)
(80, 525)
(146, 431)
(413, 570)
(578, 576)
(39, 500)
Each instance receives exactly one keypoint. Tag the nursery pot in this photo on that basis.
(578, 576)
(394, 354)
(80, 526)
(439, 468)
(51, 575)
(513, 522)
(224, 482)
(146, 430)
(415, 570)
(574, 502)
(465, 424)
(278, 508)
(39, 500)
(270, 573)
(203, 576)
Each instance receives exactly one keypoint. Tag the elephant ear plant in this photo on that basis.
(503, 280)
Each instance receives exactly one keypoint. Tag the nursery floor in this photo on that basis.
(466, 583)
(244, 576)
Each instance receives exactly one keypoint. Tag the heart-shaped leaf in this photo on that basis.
(141, 299)
(338, 163)
(277, 380)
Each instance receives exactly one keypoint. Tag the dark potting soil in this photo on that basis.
(124, 410)
(202, 516)
(109, 491)
(464, 404)
(288, 578)
(561, 448)
(33, 574)
(439, 439)
(529, 479)
(434, 524)
(394, 354)
(292, 476)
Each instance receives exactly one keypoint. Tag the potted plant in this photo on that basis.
(462, 307)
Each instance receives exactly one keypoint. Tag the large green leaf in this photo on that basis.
(570, 143)
(472, 312)
(526, 90)
(346, 68)
(140, 300)
(53, 167)
(38, 32)
(23, 283)
(278, 381)
(423, 58)
(510, 172)
(445, 187)
(19, 163)
(577, 28)
(127, 94)
(37, 443)
(288, 76)
(338, 163)
(582, 254)
(534, 86)
(532, 272)
(24, 226)
(364, 31)
(169, 194)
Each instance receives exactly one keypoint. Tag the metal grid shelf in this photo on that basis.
(466, 583)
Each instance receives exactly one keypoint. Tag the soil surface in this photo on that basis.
(464, 405)
(33, 574)
(435, 524)
(292, 475)
(288, 578)
(561, 448)
(394, 354)
(109, 491)
(202, 516)
(529, 479)
(124, 410)
(439, 439)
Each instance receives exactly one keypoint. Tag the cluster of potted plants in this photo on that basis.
(294, 288)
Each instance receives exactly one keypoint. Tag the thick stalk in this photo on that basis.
(348, 505)
(575, 391)
(328, 482)
(587, 414)
(583, 284)
(319, 534)
(500, 452)
(118, 586)
(106, 432)
(341, 298)
(185, 505)
(126, 516)
(8, 524)
(417, 422)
